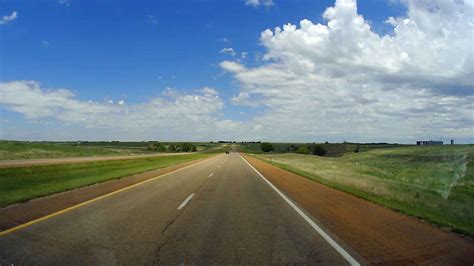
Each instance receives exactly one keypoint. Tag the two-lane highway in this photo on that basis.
(216, 211)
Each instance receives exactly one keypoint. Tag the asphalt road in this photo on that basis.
(219, 211)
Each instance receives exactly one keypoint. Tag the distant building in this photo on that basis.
(428, 142)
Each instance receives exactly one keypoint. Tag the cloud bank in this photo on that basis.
(343, 79)
(335, 81)
(183, 115)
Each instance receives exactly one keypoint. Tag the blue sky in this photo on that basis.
(104, 49)
(135, 51)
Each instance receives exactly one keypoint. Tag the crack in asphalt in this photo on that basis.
(167, 239)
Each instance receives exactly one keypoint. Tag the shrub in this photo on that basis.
(292, 148)
(266, 147)
(187, 147)
(156, 146)
(357, 148)
(302, 150)
(172, 147)
(318, 150)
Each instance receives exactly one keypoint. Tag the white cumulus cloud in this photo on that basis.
(230, 51)
(175, 114)
(342, 79)
(8, 19)
(257, 3)
(64, 2)
(232, 66)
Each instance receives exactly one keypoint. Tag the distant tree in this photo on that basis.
(318, 150)
(156, 146)
(187, 147)
(302, 150)
(292, 148)
(266, 147)
(357, 148)
(161, 147)
(151, 146)
(172, 147)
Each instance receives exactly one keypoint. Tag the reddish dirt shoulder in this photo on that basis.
(21, 213)
(377, 234)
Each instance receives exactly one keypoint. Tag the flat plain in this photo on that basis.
(434, 183)
(18, 150)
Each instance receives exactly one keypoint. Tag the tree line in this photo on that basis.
(172, 147)
(314, 149)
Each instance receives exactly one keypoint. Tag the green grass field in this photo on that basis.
(434, 183)
(19, 184)
(11, 150)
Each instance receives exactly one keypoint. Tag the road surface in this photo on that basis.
(218, 211)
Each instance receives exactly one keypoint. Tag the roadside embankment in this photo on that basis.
(377, 234)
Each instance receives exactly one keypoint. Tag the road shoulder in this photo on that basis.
(377, 234)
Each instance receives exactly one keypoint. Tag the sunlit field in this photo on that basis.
(20, 184)
(10, 150)
(433, 183)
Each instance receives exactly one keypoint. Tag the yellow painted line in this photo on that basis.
(21, 226)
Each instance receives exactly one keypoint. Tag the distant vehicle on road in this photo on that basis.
(227, 152)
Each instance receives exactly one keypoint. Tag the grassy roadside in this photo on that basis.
(17, 150)
(20, 184)
(432, 183)
(14, 150)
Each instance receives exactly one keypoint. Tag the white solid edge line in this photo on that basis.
(186, 201)
(318, 229)
(211, 174)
